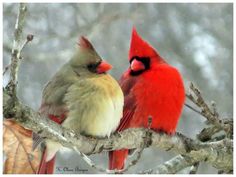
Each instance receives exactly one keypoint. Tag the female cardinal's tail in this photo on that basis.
(117, 159)
(46, 167)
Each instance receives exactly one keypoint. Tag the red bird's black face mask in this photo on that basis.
(139, 64)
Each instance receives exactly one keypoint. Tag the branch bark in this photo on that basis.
(219, 154)
(171, 166)
(15, 55)
(211, 115)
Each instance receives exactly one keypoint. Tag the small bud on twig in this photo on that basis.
(30, 37)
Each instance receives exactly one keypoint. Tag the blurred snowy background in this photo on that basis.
(195, 38)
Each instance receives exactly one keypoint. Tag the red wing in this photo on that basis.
(57, 119)
(127, 83)
(128, 112)
(56, 113)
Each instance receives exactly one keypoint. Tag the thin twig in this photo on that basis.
(6, 69)
(192, 108)
(134, 161)
(91, 163)
(207, 133)
(200, 102)
(171, 166)
(27, 40)
(211, 115)
(194, 168)
(15, 55)
(139, 152)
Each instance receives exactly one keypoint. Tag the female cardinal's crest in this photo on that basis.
(84, 43)
(139, 47)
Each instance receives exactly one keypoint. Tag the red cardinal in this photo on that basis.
(151, 88)
(81, 97)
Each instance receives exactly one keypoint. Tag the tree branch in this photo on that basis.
(218, 154)
(171, 166)
(194, 168)
(15, 54)
(215, 123)
(212, 116)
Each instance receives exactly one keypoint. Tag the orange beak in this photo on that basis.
(103, 67)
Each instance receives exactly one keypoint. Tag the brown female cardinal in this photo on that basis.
(82, 97)
(151, 88)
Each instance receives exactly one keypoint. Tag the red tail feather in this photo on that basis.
(46, 167)
(117, 159)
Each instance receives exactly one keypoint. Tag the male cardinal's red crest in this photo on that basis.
(139, 47)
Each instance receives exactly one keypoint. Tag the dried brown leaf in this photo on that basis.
(17, 147)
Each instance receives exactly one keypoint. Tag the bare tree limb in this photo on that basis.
(16, 50)
(171, 166)
(91, 163)
(211, 115)
(15, 55)
(218, 154)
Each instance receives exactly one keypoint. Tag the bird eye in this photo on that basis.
(92, 66)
